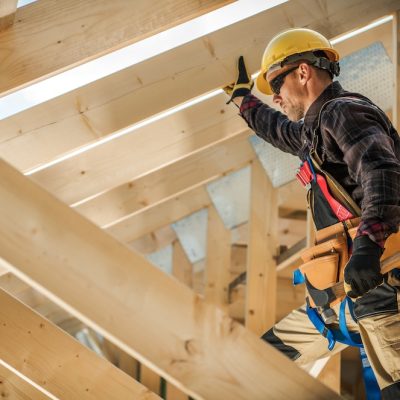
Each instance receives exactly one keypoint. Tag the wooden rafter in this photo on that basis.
(145, 192)
(7, 13)
(165, 213)
(107, 105)
(127, 158)
(57, 362)
(72, 260)
(53, 37)
(13, 386)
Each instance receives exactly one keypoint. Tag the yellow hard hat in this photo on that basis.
(288, 43)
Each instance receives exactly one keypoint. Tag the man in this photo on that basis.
(359, 147)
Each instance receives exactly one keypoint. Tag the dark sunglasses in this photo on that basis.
(277, 82)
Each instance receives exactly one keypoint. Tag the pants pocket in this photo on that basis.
(388, 334)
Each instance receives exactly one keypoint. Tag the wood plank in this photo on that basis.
(178, 207)
(7, 13)
(56, 361)
(128, 157)
(396, 69)
(14, 387)
(173, 393)
(181, 267)
(155, 240)
(192, 345)
(149, 379)
(157, 186)
(330, 375)
(51, 37)
(217, 274)
(105, 106)
(40, 303)
(261, 252)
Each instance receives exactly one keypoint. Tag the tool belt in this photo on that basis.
(324, 263)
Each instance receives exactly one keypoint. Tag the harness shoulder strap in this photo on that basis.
(337, 189)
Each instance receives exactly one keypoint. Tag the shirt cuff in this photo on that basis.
(249, 101)
(376, 230)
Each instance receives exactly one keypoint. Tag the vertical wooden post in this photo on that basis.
(218, 260)
(173, 393)
(396, 70)
(181, 267)
(330, 375)
(150, 379)
(261, 263)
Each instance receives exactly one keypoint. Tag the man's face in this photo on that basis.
(291, 93)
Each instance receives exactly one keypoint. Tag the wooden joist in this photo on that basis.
(169, 211)
(52, 36)
(128, 157)
(145, 89)
(14, 387)
(113, 289)
(57, 362)
(167, 182)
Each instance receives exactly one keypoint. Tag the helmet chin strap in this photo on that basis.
(319, 62)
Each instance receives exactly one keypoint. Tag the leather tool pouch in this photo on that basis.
(324, 264)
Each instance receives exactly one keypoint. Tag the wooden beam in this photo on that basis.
(56, 361)
(149, 379)
(160, 185)
(105, 106)
(111, 288)
(396, 70)
(261, 252)
(7, 13)
(178, 207)
(52, 37)
(128, 157)
(330, 374)
(217, 275)
(181, 267)
(16, 388)
(40, 303)
(155, 240)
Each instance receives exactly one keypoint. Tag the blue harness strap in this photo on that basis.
(343, 335)
(371, 385)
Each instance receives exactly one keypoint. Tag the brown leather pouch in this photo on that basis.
(324, 263)
(322, 272)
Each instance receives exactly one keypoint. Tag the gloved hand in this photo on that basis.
(362, 272)
(243, 84)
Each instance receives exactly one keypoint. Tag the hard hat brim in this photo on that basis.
(263, 85)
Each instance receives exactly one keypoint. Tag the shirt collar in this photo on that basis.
(331, 92)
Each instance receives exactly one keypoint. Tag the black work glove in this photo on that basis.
(363, 271)
(243, 84)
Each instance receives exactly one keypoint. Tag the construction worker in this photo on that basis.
(348, 139)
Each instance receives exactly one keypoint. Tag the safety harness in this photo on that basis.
(330, 204)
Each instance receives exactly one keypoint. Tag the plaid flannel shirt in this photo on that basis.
(358, 146)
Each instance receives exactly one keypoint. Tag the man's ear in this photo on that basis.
(304, 73)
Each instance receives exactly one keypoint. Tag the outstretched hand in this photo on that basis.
(243, 84)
